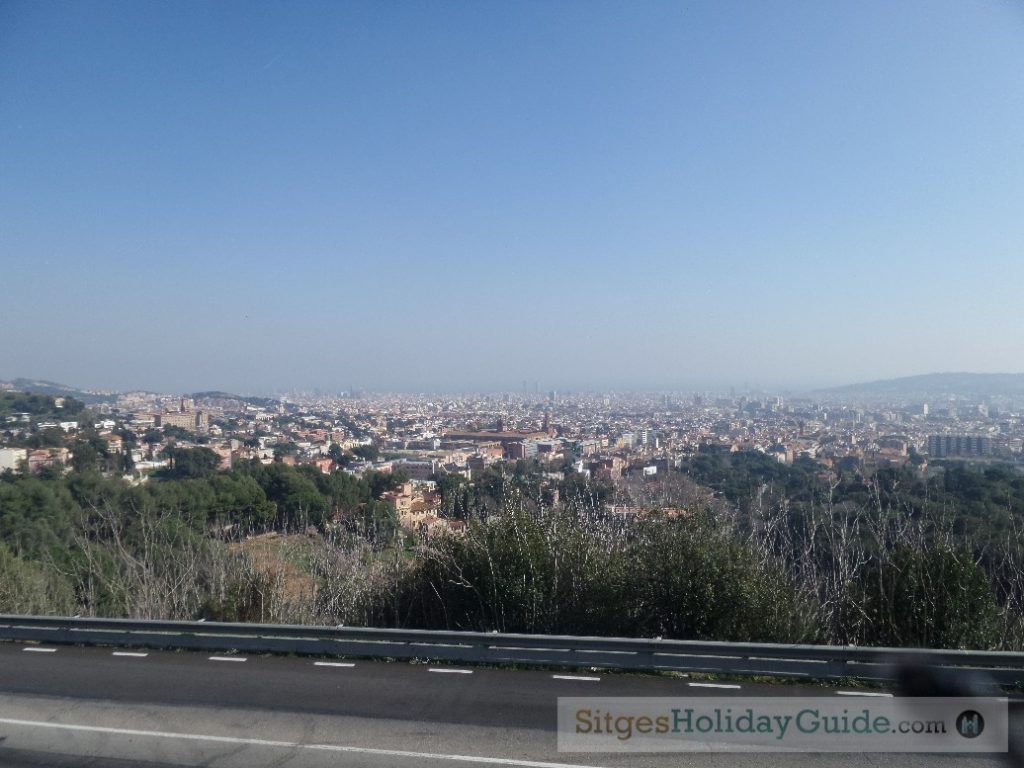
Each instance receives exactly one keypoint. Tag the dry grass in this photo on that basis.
(281, 557)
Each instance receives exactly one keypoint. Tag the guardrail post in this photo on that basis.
(838, 666)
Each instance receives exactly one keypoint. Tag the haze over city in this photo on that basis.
(466, 196)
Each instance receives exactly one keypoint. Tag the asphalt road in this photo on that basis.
(106, 708)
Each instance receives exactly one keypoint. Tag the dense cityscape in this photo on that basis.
(601, 436)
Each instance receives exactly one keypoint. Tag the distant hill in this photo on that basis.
(92, 397)
(937, 386)
(53, 389)
(39, 407)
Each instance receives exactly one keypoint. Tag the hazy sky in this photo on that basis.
(424, 195)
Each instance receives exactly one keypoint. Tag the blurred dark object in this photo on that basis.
(919, 678)
(916, 678)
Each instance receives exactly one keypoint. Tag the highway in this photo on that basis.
(114, 708)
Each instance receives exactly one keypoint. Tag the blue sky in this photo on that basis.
(433, 195)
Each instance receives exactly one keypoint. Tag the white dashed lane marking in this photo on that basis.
(451, 671)
(333, 664)
(130, 654)
(40, 650)
(864, 693)
(575, 677)
(228, 658)
(731, 686)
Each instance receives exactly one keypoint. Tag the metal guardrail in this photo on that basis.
(768, 659)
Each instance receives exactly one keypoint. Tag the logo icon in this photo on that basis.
(970, 724)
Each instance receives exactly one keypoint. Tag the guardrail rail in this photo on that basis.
(820, 662)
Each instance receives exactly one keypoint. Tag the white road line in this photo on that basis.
(40, 650)
(228, 658)
(291, 744)
(713, 685)
(130, 654)
(574, 677)
(451, 671)
(333, 664)
(863, 693)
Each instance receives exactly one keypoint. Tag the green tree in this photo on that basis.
(367, 452)
(128, 438)
(190, 462)
(931, 598)
(153, 437)
(294, 491)
(126, 462)
(285, 449)
(179, 433)
(29, 588)
(85, 457)
(689, 578)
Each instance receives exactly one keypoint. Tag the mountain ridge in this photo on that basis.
(942, 384)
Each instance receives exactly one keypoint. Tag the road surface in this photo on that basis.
(114, 708)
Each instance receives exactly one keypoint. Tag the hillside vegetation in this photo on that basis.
(769, 553)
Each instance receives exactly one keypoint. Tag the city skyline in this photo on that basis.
(936, 387)
(452, 198)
